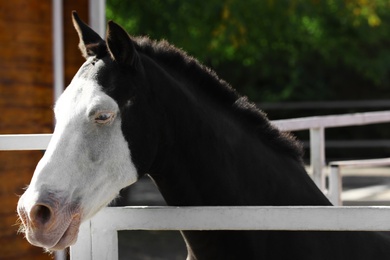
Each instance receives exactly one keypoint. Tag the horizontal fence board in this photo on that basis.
(24, 142)
(306, 105)
(359, 143)
(29, 142)
(361, 163)
(302, 218)
(304, 123)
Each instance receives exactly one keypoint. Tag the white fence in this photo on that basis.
(98, 237)
(317, 126)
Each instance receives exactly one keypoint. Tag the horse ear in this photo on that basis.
(121, 46)
(91, 44)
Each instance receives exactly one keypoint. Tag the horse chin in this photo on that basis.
(58, 237)
(70, 236)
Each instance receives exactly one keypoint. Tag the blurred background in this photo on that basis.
(293, 58)
(274, 51)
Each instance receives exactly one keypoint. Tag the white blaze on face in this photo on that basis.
(88, 159)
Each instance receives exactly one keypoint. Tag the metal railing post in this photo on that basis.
(335, 184)
(317, 155)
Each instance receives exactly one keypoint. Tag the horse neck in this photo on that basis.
(209, 158)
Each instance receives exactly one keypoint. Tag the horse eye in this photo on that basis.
(104, 118)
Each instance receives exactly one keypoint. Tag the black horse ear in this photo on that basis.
(121, 46)
(91, 44)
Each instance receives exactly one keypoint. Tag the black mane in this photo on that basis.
(208, 80)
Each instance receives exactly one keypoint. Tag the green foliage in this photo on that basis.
(276, 50)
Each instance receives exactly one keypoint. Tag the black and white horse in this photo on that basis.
(139, 107)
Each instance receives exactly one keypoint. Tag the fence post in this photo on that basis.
(317, 155)
(82, 250)
(335, 184)
(104, 239)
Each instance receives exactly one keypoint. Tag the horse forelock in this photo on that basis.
(96, 49)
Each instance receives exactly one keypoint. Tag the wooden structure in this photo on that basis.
(26, 99)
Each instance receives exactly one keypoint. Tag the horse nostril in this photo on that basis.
(40, 214)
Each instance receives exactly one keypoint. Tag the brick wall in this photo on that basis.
(26, 100)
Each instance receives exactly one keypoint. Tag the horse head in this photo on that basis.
(89, 160)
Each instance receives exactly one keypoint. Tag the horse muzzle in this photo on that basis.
(49, 222)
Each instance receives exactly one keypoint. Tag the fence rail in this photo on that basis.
(330, 121)
(98, 237)
(303, 218)
(377, 104)
(24, 142)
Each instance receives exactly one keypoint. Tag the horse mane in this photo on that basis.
(254, 118)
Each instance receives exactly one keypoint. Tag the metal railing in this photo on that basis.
(101, 230)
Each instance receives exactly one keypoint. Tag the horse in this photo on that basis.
(142, 107)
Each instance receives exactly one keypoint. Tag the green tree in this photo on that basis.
(276, 50)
